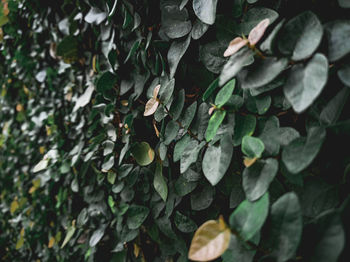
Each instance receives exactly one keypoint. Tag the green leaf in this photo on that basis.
(171, 130)
(285, 227)
(202, 197)
(217, 159)
(214, 123)
(258, 104)
(210, 90)
(180, 147)
(253, 17)
(97, 236)
(225, 93)
(268, 45)
(324, 238)
(183, 186)
(211, 54)
(344, 3)
(299, 154)
(198, 30)
(344, 74)
(258, 177)
(175, 53)
(142, 153)
(166, 91)
(338, 37)
(184, 223)
(237, 61)
(187, 117)
(68, 49)
(190, 154)
(159, 183)
(239, 251)
(300, 36)
(136, 215)
(205, 10)
(210, 241)
(249, 217)
(177, 106)
(202, 121)
(244, 126)
(304, 84)
(263, 71)
(252, 147)
(333, 109)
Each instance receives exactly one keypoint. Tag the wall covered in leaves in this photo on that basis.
(174, 130)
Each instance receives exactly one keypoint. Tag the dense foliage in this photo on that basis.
(138, 130)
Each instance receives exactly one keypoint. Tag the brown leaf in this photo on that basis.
(258, 31)
(249, 161)
(210, 241)
(235, 45)
(151, 106)
(156, 91)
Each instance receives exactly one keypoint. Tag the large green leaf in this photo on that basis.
(239, 250)
(205, 10)
(338, 35)
(190, 154)
(249, 217)
(177, 105)
(217, 159)
(136, 216)
(175, 53)
(299, 154)
(180, 147)
(305, 83)
(285, 227)
(143, 153)
(258, 177)
(184, 223)
(344, 74)
(263, 71)
(244, 126)
(171, 130)
(300, 36)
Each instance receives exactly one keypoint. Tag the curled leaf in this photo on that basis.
(258, 31)
(235, 45)
(151, 107)
(210, 241)
(156, 91)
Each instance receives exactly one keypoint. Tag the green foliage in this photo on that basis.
(126, 134)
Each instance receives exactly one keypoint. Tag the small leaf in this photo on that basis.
(143, 153)
(225, 93)
(212, 87)
(252, 147)
(95, 16)
(244, 126)
(258, 31)
(151, 107)
(159, 183)
(176, 52)
(210, 241)
(183, 223)
(214, 123)
(235, 45)
(97, 236)
(249, 217)
(42, 165)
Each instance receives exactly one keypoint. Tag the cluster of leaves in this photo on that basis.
(129, 127)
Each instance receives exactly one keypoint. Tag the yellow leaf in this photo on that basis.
(151, 154)
(36, 182)
(32, 190)
(151, 106)
(94, 63)
(210, 241)
(20, 243)
(51, 242)
(124, 102)
(22, 232)
(14, 206)
(19, 107)
(136, 250)
(42, 150)
(249, 161)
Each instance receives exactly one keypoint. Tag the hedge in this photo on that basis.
(139, 130)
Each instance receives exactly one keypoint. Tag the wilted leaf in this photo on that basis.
(210, 241)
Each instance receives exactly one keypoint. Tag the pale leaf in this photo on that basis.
(235, 45)
(151, 107)
(258, 31)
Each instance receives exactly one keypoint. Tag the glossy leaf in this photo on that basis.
(225, 93)
(205, 10)
(214, 123)
(252, 147)
(159, 182)
(143, 153)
